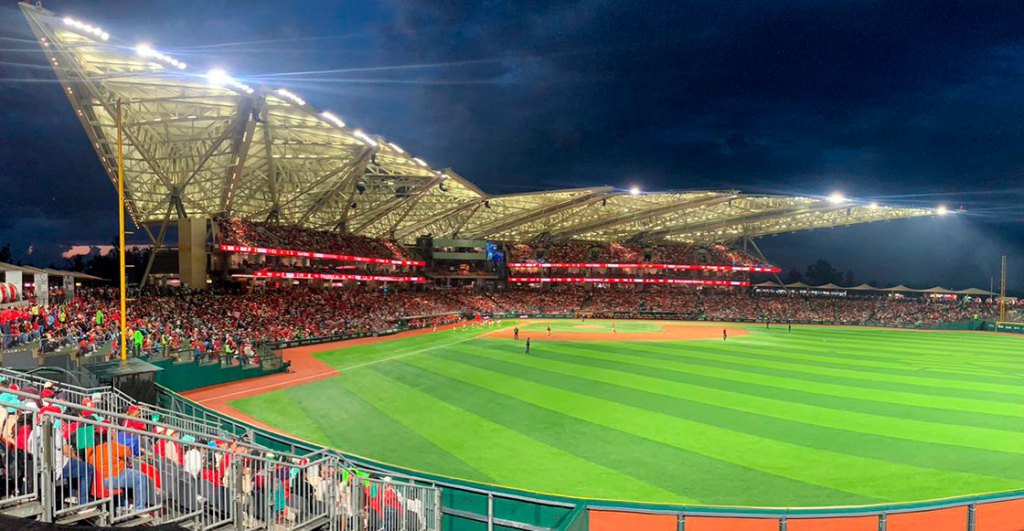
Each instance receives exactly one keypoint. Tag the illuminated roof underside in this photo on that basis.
(192, 148)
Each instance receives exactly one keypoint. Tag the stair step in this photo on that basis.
(86, 514)
(25, 510)
(140, 521)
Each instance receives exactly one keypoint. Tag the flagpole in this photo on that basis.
(120, 234)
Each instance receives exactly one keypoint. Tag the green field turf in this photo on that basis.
(821, 416)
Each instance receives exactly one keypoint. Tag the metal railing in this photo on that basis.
(67, 463)
(112, 400)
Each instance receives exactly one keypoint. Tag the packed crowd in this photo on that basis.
(305, 265)
(104, 447)
(80, 322)
(239, 232)
(582, 251)
(725, 305)
(228, 327)
(685, 303)
(566, 299)
(211, 326)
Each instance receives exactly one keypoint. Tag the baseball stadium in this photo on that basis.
(329, 332)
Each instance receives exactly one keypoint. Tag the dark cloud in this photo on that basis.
(881, 99)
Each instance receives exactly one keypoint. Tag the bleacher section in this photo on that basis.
(665, 253)
(94, 456)
(277, 238)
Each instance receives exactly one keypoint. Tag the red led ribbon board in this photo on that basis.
(334, 276)
(581, 280)
(677, 267)
(242, 249)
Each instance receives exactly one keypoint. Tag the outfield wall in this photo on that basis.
(471, 506)
(970, 325)
(1012, 328)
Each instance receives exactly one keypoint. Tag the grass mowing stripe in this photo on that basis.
(918, 377)
(348, 358)
(644, 459)
(510, 457)
(879, 371)
(892, 343)
(905, 371)
(909, 374)
(326, 412)
(946, 356)
(990, 453)
(284, 410)
(905, 339)
(699, 365)
(960, 419)
(866, 387)
(866, 354)
(817, 467)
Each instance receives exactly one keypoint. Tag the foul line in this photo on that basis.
(278, 384)
(406, 355)
(249, 391)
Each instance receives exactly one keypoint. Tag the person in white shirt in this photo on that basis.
(193, 459)
(414, 512)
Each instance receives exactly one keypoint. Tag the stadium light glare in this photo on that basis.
(291, 96)
(145, 50)
(395, 147)
(86, 28)
(873, 204)
(218, 77)
(836, 198)
(942, 210)
(420, 161)
(333, 118)
(358, 133)
(634, 190)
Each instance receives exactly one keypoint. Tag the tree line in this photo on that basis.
(100, 265)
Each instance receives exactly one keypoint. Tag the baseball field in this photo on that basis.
(672, 412)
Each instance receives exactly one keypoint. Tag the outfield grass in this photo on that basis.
(819, 416)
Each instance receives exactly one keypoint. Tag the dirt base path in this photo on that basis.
(669, 332)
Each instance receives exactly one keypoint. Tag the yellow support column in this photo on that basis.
(120, 235)
(1002, 292)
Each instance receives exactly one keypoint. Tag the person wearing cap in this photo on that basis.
(168, 449)
(134, 422)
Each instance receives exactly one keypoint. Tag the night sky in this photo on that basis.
(915, 103)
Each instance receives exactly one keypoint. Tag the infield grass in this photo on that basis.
(819, 416)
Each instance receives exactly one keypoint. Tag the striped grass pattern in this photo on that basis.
(819, 416)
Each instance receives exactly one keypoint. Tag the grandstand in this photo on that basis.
(262, 154)
(296, 229)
